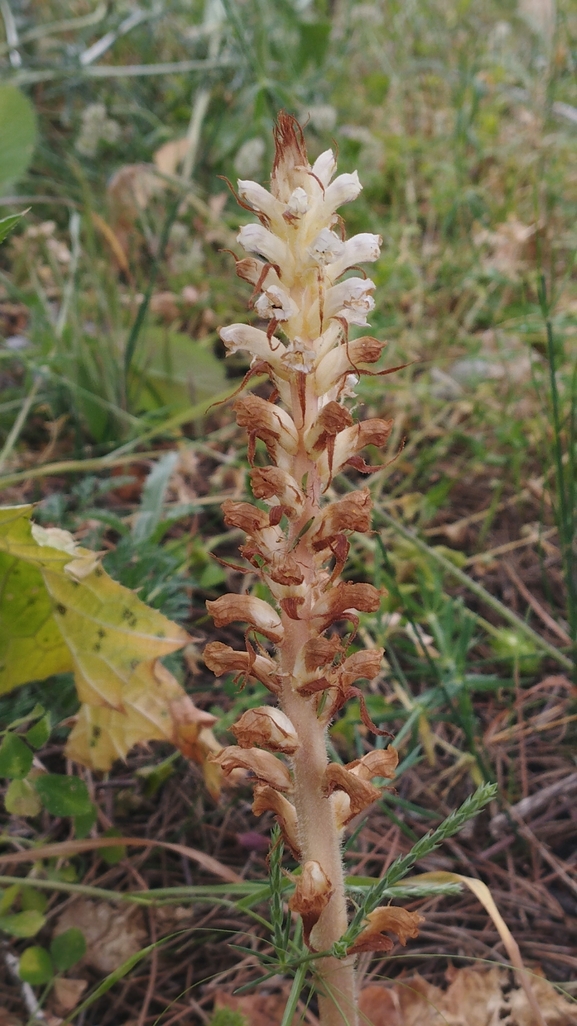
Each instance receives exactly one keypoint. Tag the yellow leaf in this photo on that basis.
(59, 611)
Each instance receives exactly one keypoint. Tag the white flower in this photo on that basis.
(324, 167)
(252, 340)
(344, 189)
(298, 356)
(275, 302)
(256, 239)
(257, 197)
(298, 203)
(326, 248)
(351, 299)
(363, 248)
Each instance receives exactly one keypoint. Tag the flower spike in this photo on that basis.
(297, 259)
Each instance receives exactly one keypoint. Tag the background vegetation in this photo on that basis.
(122, 122)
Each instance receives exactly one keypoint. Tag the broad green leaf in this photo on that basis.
(178, 372)
(8, 223)
(35, 966)
(18, 134)
(22, 924)
(21, 799)
(15, 758)
(63, 796)
(68, 948)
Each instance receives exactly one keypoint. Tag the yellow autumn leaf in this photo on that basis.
(60, 611)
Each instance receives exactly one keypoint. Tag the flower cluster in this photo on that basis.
(296, 539)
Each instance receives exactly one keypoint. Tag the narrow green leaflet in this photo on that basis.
(8, 223)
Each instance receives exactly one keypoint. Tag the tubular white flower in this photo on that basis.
(275, 302)
(351, 299)
(327, 248)
(243, 337)
(344, 189)
(361, 249)
(298, 356)
(258, 197)
(324, 167)
(256, 239)
(298, 203)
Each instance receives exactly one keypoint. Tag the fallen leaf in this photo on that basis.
(8, 1019)
(473, 998)
(60, 611)
(259, 1009)
(112, 934)
(67, 993)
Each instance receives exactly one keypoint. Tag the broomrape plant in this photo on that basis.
(298, 547)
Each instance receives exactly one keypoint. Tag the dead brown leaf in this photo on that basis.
(474, 998)
(67, 993)
(259, 1009)
(112, 934)
(8, 1019)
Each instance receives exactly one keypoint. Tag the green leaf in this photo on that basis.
(114, 854)
(8, 897)
(33, 899)
(178, 372)
(153, 495)
(38, 735)
(35, 966)
(68, 948)
(18, 134)
(8, 223)
(21, 799)
(63, 796)
(83, 824)
(15, 758)
(313, 43)
(22, 924)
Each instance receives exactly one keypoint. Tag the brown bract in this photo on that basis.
(251, 610)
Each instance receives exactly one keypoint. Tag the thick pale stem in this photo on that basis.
(318, 830)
